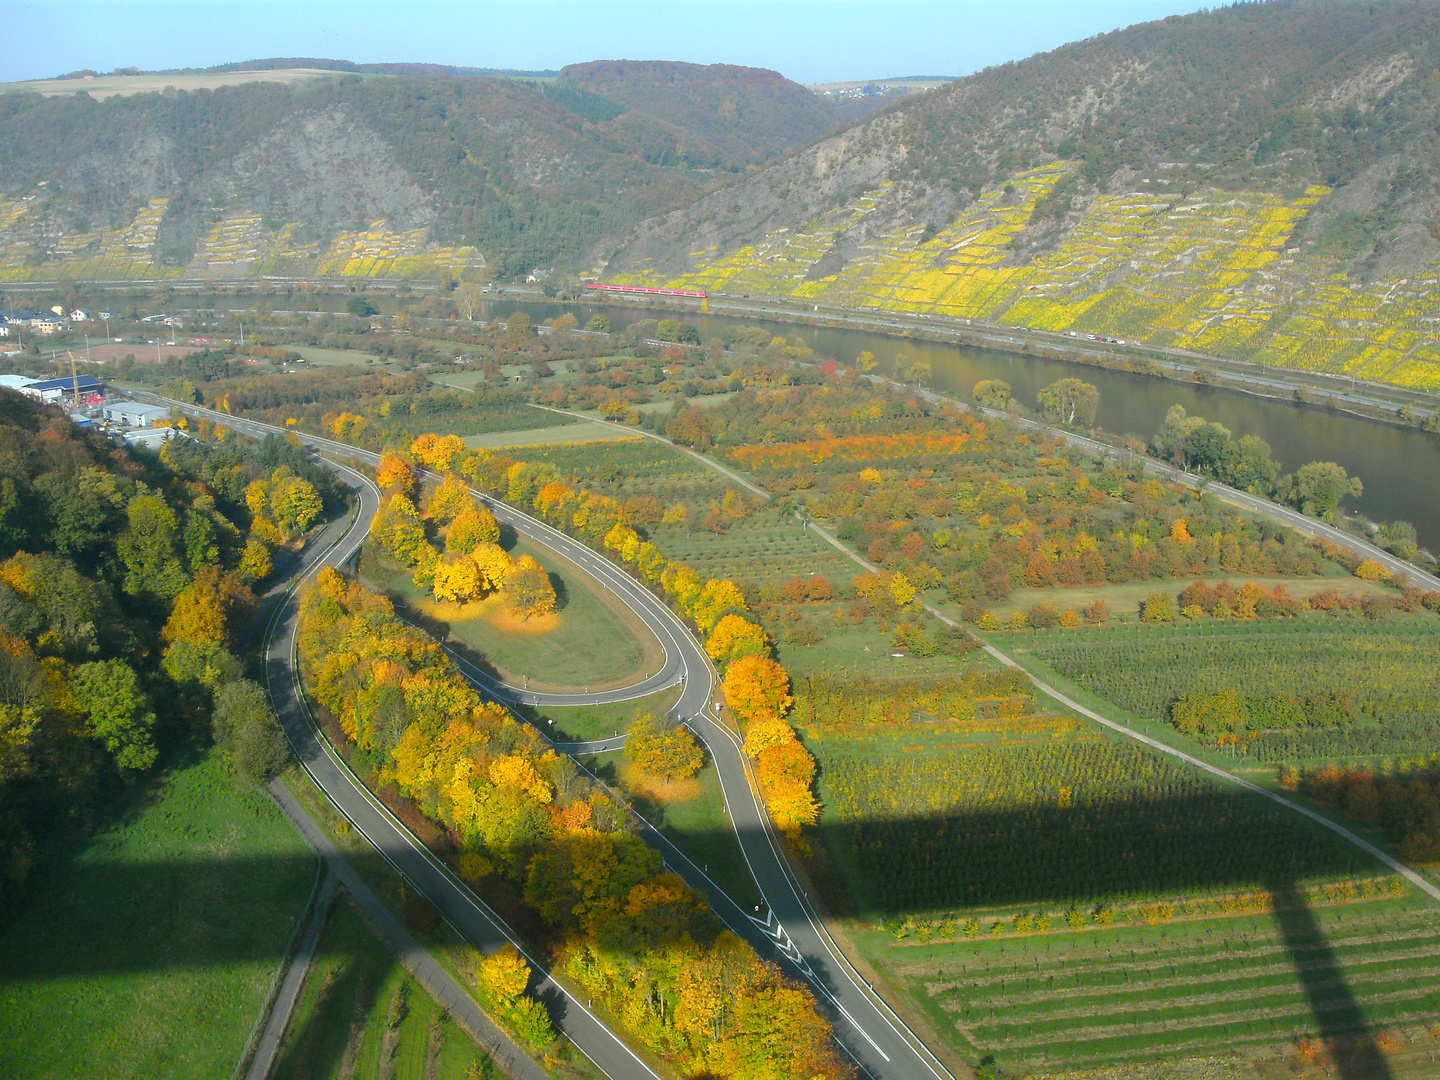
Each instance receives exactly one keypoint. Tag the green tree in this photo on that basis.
(993, 393)
(150, 549)
(245, 727)
(360, 307)
(599, 324)
(117, 712)
(1070, 401)
(1318, 488)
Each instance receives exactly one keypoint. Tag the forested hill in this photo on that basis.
(1260, 181)
(125, 593)
(403, 175)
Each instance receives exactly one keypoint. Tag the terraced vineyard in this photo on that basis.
(1215, 272)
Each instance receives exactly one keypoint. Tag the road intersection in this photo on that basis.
(786, 929)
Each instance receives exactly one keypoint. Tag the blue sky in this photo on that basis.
(807, 40)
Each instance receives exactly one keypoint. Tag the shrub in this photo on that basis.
(1158, 607)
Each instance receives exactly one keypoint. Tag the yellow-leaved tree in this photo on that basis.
(457, 579)
(494, 564)
(473, 526)
(527, 589)
(735, 636)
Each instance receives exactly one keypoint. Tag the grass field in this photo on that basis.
(590, 643)
(583, 432)
(360, 1016)
(579, 723)
(155, 946)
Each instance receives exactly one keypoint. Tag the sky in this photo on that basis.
(810, 41)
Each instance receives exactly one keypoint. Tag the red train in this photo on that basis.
(700, 293)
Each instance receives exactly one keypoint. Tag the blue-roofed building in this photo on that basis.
(54, 389)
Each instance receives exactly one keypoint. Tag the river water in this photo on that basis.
(1400, 467)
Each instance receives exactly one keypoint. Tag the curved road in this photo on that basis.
(787, 929)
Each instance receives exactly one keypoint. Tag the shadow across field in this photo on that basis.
(1025, 857)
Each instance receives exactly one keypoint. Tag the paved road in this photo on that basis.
(438, 982)
(267, 1048)
(787, 928)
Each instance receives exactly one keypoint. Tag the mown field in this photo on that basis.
(584, 644)
(156, 945)
(360, 1016)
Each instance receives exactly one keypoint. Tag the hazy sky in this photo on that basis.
(807, 40)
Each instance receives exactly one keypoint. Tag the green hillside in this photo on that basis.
(424, 174)
(1257, 182)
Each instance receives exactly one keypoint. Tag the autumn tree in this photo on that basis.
(527, 588)
(718, 596)
(255, 561)
(457, 579)
(757, 687)
(473, 526)
(450, 498)
(395, 475)
(294, 503)
(663, 749)
(209, 607)
(993, 394)
(735, 636)
(1070, 401)
(437, 451)
(494, 564)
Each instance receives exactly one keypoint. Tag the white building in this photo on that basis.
(151, 438)
(15, 382)
(135, 414)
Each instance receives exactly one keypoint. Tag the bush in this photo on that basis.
(1158, 607)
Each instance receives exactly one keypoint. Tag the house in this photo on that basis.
(55, 389)
(48, 324)
(135, 414)
(79, 315)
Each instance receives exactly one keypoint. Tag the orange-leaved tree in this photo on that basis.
(757, 688)
(396, 475)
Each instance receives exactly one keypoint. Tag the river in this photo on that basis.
(1400, 467)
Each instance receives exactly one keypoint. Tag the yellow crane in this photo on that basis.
(74, 379)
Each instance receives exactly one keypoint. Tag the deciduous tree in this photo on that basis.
(527, 588)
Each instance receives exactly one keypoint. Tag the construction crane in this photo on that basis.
(74, 379)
